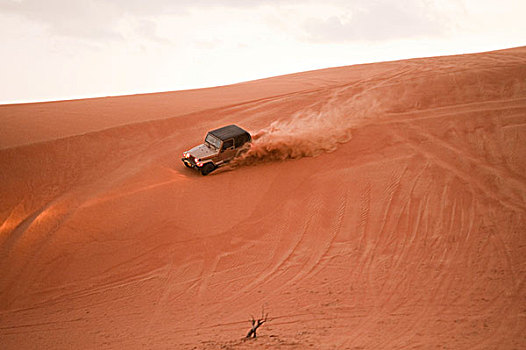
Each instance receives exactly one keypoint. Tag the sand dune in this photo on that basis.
(382, 206)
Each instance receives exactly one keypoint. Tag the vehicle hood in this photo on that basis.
(202, 151)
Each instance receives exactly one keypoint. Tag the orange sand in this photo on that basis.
(403, 225)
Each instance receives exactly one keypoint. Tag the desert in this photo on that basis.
(382, 206)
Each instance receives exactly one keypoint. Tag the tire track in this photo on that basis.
(318, 263)
(441, 161)
(366, 259)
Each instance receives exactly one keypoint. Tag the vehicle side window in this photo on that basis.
(228, 144)
(240, 141)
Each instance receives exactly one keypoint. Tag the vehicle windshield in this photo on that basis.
(213, 141)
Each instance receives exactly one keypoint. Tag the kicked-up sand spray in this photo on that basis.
(306, 134)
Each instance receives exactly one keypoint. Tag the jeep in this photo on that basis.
(220, 146)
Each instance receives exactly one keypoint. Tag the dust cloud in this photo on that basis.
(306, 134)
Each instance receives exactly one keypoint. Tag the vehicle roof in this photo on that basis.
(227, 132)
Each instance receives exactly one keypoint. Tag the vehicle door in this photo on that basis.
(227, 150)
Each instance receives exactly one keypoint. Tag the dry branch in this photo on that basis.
(257, 323)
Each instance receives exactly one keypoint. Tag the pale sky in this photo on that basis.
(65, 49)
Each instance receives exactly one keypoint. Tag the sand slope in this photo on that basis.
(408, 233)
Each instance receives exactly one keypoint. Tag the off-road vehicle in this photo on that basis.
(220, 146)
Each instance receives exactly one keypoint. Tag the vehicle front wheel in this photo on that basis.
(207, 169)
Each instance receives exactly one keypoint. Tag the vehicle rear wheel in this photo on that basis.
(207, 169)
